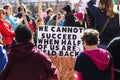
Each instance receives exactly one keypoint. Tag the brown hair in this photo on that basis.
(90, 36)
(49, 10)
(2, 11)
(107, 6)
(6, 6)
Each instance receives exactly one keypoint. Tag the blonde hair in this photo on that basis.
(107, 6)
(90, 36)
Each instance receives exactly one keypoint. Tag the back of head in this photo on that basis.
(23, 33)
(6, 6)
(67, 8)
(107, 6)
(49, 10)
(90, 36)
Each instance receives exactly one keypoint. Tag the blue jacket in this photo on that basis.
(3, 58)
(13, 21)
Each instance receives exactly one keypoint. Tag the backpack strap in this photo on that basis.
(105, 25)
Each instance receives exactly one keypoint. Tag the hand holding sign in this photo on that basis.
(60, 41)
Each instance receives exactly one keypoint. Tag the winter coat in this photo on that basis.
(95, 65)
(29, 63)
(6, 32)
(3, 58)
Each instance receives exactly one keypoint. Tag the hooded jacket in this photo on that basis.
(6, 32)
(95, 65)
(29, 64)
(100, 57)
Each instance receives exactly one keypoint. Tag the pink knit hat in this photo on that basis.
(79, 16)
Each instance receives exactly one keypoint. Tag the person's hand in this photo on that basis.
(19, 20)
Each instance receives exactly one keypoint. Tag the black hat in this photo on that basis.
(67, 8)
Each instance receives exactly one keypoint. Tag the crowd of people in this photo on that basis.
(100, 60)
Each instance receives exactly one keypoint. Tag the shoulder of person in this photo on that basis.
(40, 53)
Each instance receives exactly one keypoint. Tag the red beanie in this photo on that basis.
(79, 16)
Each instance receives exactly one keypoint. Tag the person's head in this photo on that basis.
(79, 16)
(67, 8)
(2, 14)
(24, 7)
(8, 8)
(23, 33)
(44, 15)
(90, 37)
(107, 6)
(49, 11)
(62, 18)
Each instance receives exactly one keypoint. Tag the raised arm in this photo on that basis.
(92, 7)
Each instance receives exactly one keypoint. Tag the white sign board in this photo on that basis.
(60, 41)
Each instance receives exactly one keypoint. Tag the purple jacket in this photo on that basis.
(30, 64)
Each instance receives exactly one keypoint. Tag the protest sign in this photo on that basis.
(60, 41)
(62, 44)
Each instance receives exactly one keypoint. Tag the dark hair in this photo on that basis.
(23, 33)
(2, 11)
(67, 8)
(90, 36)
(6, 6)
